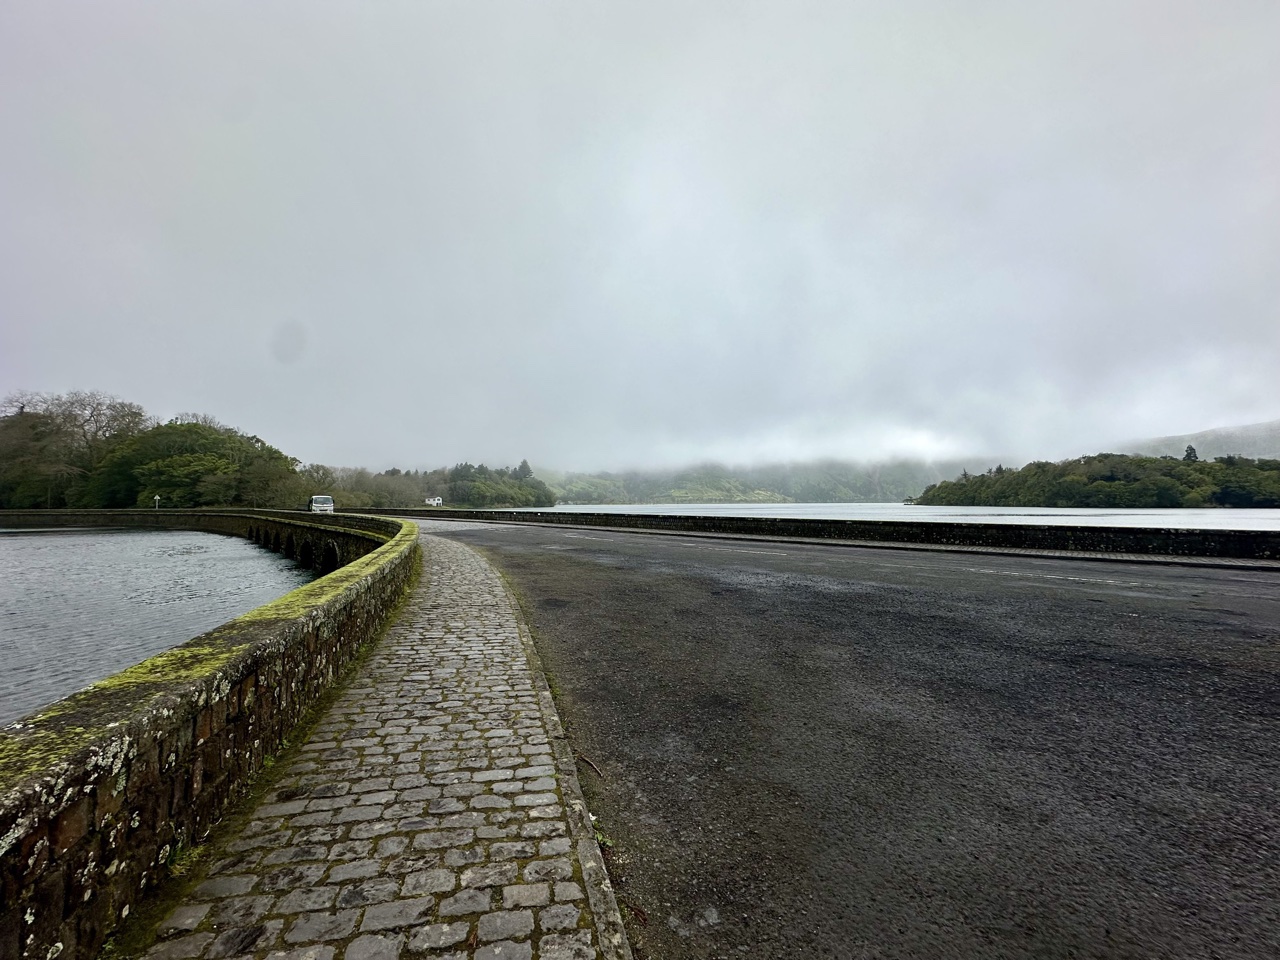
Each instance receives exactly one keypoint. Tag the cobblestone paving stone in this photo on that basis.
(435, 811)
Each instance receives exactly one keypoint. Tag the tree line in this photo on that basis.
(89, 449)
(464, 485)
(1117, 480)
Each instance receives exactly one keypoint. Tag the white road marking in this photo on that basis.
(703, 546)
(1052, 576)
(583, 536)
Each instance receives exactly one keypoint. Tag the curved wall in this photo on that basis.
(297, 535)
(100, 791)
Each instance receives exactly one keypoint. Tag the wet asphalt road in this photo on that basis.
(822, 751)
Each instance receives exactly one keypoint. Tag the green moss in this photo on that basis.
(184, 860)
(298, 603)
(192, 661)
(73, 724)
(26, 756)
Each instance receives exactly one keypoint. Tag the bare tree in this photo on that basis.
(86, 421)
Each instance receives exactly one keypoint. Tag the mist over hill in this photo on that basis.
(1252, 440)
(847, 481)
(828, 481)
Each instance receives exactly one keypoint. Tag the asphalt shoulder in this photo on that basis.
(1110, 557)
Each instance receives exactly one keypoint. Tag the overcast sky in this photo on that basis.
(605, 234)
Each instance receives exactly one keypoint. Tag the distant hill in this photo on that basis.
(829, 481)
(1255, 440)
(840, 481)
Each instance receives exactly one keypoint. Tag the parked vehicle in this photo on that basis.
(320, 504)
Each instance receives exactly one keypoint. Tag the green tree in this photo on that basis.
(1115, 480)
(178, 480)
(237, 469)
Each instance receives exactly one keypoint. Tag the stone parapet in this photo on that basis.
(101, 791)
(1148, 541)
(434, 810)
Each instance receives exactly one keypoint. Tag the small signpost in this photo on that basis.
(157, 499)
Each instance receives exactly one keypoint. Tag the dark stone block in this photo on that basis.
(48, 901)
(72, 825)
(107, 804)
(69, 937)
(211, 760)
(10, 935)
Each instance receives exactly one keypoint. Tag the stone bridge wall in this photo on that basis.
(100, 792)
(317, 541)
(1250, 544)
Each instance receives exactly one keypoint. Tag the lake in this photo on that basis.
(79, 605)
(1191, 519)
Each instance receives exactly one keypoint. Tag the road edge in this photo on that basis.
(611, 932)
(1171, 560)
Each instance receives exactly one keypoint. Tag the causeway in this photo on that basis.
(434, 811)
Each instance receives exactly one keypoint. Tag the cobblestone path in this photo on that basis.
(435, 811)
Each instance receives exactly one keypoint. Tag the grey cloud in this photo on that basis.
(608, 235)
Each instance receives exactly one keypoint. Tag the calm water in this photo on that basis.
(80, 605)
(1268, 519)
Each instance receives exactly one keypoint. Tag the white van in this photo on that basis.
(320, 505)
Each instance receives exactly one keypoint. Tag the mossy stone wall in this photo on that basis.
(100, 791)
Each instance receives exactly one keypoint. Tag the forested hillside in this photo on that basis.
(1118, 480)
(823, 482)
(92, 450)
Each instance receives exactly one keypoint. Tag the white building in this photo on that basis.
(435, 502)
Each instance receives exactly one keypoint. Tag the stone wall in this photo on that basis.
(1250, 544)
(100, 792)
(318, 541)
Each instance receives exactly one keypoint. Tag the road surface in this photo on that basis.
(805, 751)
